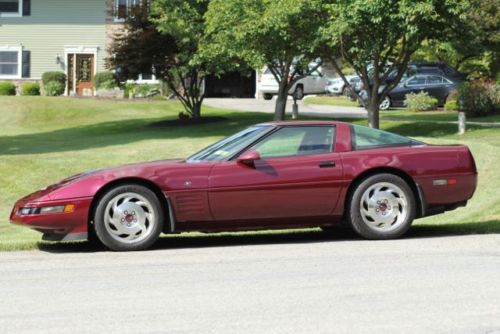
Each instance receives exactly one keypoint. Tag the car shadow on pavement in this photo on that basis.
(339, 234)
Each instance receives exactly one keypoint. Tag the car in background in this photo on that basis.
(436, 86)
(338, 86)
(269, 176)
(312, 84)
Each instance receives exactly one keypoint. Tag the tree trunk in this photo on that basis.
(280, 107)
(196, 112)
(373, 114)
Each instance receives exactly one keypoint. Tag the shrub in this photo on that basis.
(420, 102)
(451, 105)
(53, 88)
(54, 76)
(479, 98)
(142, 90)
(7, 88)
(30, 89)
(105, 80)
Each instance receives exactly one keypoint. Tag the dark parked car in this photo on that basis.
(435, 85)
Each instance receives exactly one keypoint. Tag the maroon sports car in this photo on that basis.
(272, 175)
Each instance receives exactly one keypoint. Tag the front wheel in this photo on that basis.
(381, 207)
(268, 96)
(129, 218)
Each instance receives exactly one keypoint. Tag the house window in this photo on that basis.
(10, 7)
(123, 8)
(147, 78)
(10, 62)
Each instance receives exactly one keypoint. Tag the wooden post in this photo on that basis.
(295, 109)
(461, 123)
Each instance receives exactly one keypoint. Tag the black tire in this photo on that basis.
(152, 228)
(298, 94)
(268, 96)
(364, 223)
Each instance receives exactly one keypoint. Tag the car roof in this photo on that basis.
(300, 123)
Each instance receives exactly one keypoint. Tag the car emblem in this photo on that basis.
(188, 184)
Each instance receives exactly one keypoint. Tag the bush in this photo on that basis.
(56, 76)
(479, 98)
(451, 105)
(7, 88)
(53, 88)
(143, 90)
(30, 89)
(105, 80)
(420, 102)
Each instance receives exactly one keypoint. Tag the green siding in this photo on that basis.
(54, 25)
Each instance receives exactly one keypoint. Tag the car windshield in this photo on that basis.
(227, 147)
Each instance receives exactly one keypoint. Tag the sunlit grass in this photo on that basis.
(43, 140)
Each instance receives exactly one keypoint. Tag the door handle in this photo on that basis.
(327, 164)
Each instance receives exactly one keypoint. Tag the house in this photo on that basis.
(37, 36)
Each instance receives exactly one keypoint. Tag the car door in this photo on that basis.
(298, 175)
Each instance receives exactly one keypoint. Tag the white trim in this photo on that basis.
(153, 80)
(93, 50)
(19, 50)
(18, 14)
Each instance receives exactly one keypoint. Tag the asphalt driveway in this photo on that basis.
(267, 106)
(258, 284)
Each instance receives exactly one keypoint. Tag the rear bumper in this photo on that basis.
(438, 198)
(55, 226)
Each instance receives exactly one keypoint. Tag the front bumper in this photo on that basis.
(55, 226)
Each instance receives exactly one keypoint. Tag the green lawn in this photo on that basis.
(330, 100)
(43, 140)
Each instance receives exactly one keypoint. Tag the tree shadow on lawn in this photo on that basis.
(426, 129)
(316, 235)
(120, 133)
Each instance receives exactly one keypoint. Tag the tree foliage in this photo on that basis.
(474, 48)
(280, 34)
(377, 38)
(164, 36)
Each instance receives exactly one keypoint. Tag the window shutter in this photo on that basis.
(26, 7)
(26, 64)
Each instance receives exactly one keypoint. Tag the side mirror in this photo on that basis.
(249, 157)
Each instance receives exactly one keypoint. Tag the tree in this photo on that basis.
(377, 38)
(473, 49)
(280, 34)
(164, 35)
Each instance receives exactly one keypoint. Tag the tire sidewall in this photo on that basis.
(354, 213)
(113, 244)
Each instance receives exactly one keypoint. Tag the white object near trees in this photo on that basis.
(461, 123)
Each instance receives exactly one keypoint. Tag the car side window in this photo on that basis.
(434, 80)
(416, 81)
(365, 138)
(297, 140)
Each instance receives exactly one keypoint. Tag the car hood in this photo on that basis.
(88, 183)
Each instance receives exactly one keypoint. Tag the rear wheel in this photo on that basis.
(385, 104)
(268, 96)
(381, 207)
(129, 218)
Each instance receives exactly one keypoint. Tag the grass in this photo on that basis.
(433, 116)
(331, 101)
(43, 140)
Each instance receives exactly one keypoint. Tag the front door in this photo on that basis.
(80, 74)
(298, 176)
(84, 74)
